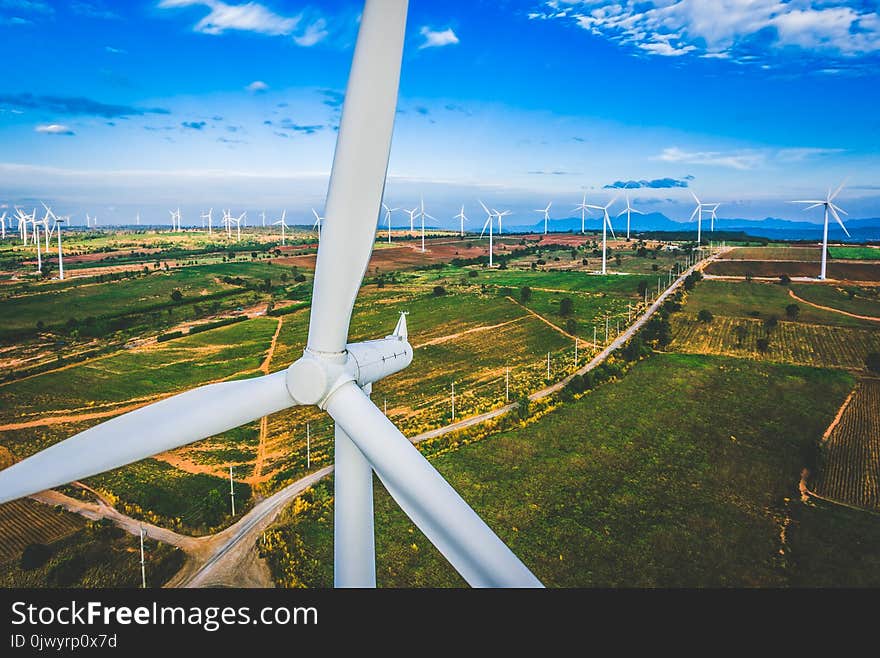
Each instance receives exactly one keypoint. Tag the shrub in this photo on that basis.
(705, 315)
(473, 274)
(35, 556)
(784, 279)
(525, 294)
(740, 331)
(523, 407)
(642, 288)
(176, 295)
(566, 306)
(770, 323)
(571, 325)
(792, 311)
(872, 361)
(439, 291)
(763, 344)
(161, 338)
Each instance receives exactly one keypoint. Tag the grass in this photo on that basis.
(855, 253)
(653, 480)
(740, 299)
(853, 299)
(167, 367)
(100, 555)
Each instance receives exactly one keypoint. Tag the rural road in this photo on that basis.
(228, 558)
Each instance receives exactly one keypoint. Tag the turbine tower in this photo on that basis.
(462, 218)
(546, 212)
(584, 208)
(830, 207)
(422, 215)
(629, 210)
(606, 224)
(388, 212)
(488, 223)
(698, 213)
(317, 224)
(333, 374)
(208, 217)
(283, 226)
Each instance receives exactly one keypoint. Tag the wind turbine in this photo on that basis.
(712, 216)
(175, 215)
(263, 217)
(461, 217)
(584, 208)
(37, 242)
(237, 221)
(58, 223)
(829, 206)
(698, 213)
(3, 225)
(489, 216)
(546, 212)
(388, 212)
(412, 216)
(317, 224)
(334, 375)
(208, 217)
(137, 218)
(629, 210)
(606, 224)
(283, 226)
(422, 215)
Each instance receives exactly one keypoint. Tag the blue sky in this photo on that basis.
(115, 106)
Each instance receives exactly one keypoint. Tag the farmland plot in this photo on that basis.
(789, 342)
(850, 466)
(24, 522)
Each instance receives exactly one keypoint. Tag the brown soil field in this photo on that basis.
(836, 270)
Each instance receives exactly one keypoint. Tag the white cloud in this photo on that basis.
(437, 38)
(54, 129)
(744, 159)
(724, 27)
(249, 17)
(257, 87)
(314, 33)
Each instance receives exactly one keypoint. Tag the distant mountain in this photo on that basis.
(861, 230)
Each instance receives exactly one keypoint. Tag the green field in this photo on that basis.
(851, 298)
(682, 488)
(136, 374)
(760, 300)
(855, 253)
(100, 555)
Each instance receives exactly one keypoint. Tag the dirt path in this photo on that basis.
(544, 320)
(448, 337)
(870, 318)
(264, 421)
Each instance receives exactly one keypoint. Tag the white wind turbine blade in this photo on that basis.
(695, 197)
(837, 191)
(472, 548)
(486, 225)
(638, 212)
(357, 178)
(484, 207)
(610, 228)
(832, 207)
(815, 205)
(694, 213)
(839, 209)
(150, 430)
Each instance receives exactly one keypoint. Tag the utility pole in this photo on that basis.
(507, 385)
(453, 401)
(143, 567)
(231, 491)
(548, 365)
(594, 335)
(575, 351)
(385, 405)
(607, 320)
(308, 446)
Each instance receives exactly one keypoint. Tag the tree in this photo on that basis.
(749, 276)
(740, 331)
(176, 295)
(642, 287)
(566, 306)
(523, 407)
(872, 362)
(439, 291)
(525, 294)
(705, 315)
(770, 323)
(762, 344)
(571, 325)
(792, 310)
(617, 260)
(35, 556)
(784, 279)
(473, 274)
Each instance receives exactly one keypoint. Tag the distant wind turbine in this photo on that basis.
(422, 215)
(283, 226)
(208, 217)
(830, 207)
(584, 208)
(317, 224)
(629, 210)
(606, 224)
(461, 217)
(546, 212)
(698, 213)
(388, 212)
